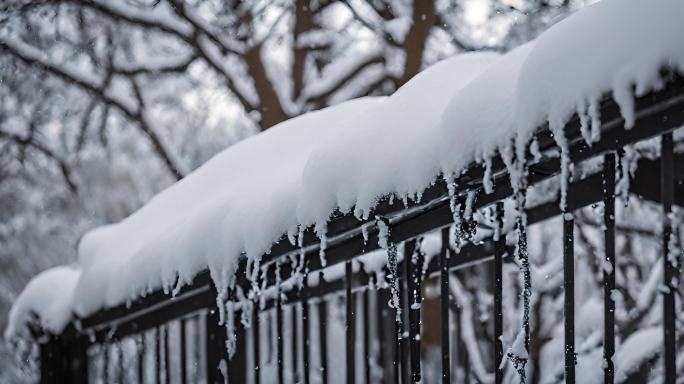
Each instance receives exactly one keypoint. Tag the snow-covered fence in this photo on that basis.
(319, 238)
(158, 334)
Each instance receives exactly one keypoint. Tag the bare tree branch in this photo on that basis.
(179, 66)
(319, 98)
(370, 26)
(42, 148)
(182, 10)
(28, 56)
(184, 32)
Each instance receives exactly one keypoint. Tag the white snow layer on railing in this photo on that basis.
(350, 155)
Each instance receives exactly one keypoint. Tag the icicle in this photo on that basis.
(487, 180)
(566, 163)
(359, 213)
(393, 277)
(292, 236)
(419, 196)
(508, 153)
(470, 199)
(627, 164)
(383, 232)
(254, 276)
(534, 149)
(364, 233)
(456, 230)
(518, 355)
(595, 116)
(230, 329)
(262, 298)
(300, 237)
(469, 224)
(221, 305)
(584, 122)
(392, 264)
(455, 237)
(451, 189)
(323, 246)
(246, 306)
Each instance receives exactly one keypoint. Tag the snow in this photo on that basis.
(348, 157)
(640, 346)
(389, 149)
(479, 119)
(48, 297)
(241, 201)
(611, 45)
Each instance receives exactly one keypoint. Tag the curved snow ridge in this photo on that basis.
(390, 149)
(351, 155)
(45, 302)
(240, 202)
(615, 46)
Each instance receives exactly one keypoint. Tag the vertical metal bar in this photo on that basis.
(197, 372)
(382, 319)
(397, 340)
(404, 300)
(402, 328)
(350, 326)
(183, 353)
(569, 286)
(81, 368)
(269, 337)
(295, 336)
(279, 333)
(105, 367)
(609, 267)
(523, 256)
(141, 359)
(669, 262)
(322, 335)
(45, 362)
(215, 345)
(305, 329)
(366, 336)
(453, 334)
(256, 340)
(237, 363)
(462, 353)
(157, 354)
(499, 244)
(444, 306)
(167, 358)
(413, 262)
(120, 362)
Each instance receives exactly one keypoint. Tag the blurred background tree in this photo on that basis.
(104, 103)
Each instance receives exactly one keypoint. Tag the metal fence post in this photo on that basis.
(414, 270)
(499, 244)
(609, 267)
(350, 325)
(569, 285)
(444, 306)
(669, 263)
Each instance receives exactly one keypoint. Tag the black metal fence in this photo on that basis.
(179, 340)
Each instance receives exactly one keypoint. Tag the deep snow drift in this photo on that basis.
(350, 155)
